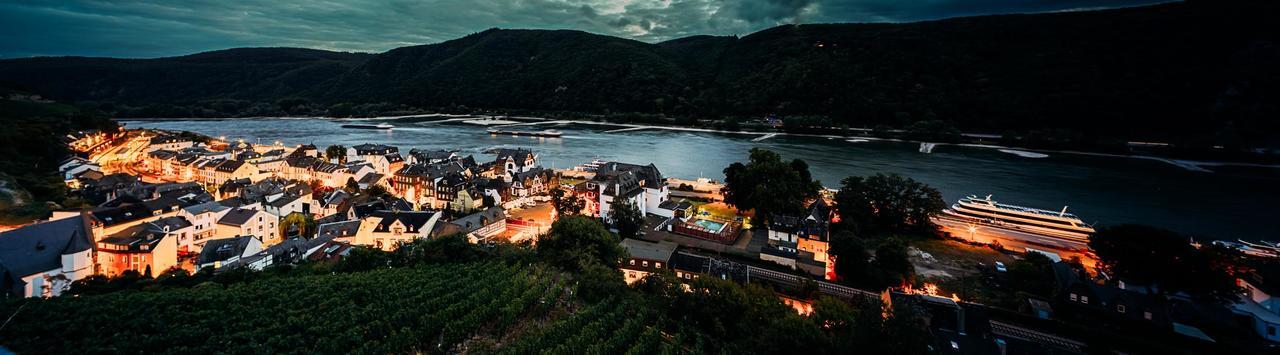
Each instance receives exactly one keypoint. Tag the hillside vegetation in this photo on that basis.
(445, 295)
(32, 144)
(1197, 72)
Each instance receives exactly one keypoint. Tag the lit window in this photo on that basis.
(646, 263)
(1120, 308)
(657, 265)
(1073, 297)
(1146, 315)
(1084, 299)
(633, 262)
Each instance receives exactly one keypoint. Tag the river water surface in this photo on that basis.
(1229, 203)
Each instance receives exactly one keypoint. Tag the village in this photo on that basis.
(174, 200)
(169, 201)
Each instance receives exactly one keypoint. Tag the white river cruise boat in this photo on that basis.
(1056, 224)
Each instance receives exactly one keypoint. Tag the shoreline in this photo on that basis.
(1187, 164)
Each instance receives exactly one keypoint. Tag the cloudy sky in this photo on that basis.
(143, 29)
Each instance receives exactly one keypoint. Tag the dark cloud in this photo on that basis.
(151, 28)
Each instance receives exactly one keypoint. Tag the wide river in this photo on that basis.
(1225, 204)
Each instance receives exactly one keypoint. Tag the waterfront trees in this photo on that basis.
(1164, 262)
(336, 153)
(856, 266)
(768, 185)
(626, 217)
(887, 203)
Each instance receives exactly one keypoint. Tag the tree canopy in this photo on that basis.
(626, 217)
(887, 203)
(336, 153)
(768, 185)
(1165, 262)
(576, 242)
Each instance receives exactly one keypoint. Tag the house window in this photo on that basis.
(1120, 308)
(1084, 299)
(1271, 330)
(657, 265)
(633, 262)
(646, 263)
(1146, 315)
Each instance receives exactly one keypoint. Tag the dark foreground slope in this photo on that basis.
(1190, 71)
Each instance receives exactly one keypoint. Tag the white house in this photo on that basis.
(254, 222)
(204, 218)
(642, 185)
(387, 229)
(42, 259)
(222, 251)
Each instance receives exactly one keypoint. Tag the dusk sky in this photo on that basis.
(143, 29)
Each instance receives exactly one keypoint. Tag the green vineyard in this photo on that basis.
(477, 307)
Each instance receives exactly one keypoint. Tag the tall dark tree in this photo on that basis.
(892, 265)
(768, 185)
(1164, 262)
(626, 217)
(377, 191)
(336, 153)
(575, 242)
(566, 202)
(887, 203)
(851, 257)
(352, 185)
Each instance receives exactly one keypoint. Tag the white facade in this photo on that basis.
(52, 283)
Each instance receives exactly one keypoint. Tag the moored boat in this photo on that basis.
(368, 126)
(544, 133)
(1052, 224)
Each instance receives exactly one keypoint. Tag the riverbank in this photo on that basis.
(981, 140)
(1191, 165)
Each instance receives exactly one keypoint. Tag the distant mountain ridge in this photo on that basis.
(1197, 70)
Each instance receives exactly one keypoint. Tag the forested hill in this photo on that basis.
(1202, 69)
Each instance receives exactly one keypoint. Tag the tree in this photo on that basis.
(626, 217)
(892, 265)
(1165, 262)
(852, 260)
(377, 191)
(306, 225)
(1032, 274)
(887, 203)
(575, 242)
(449, 248)
(352, 185)
(768, 185)
(566, 202)
(336, 153)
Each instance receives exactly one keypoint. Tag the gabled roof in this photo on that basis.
(519, 155)
(414, 221)
(338, 229)
(39, 247)
(375, 149)
(228, 166)
(649, 250)
(648, 173)
(424, 156)
(117, 215)
(480, 219)
(223, 249)
(370, 178)
(163, 154)
(237, 217)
